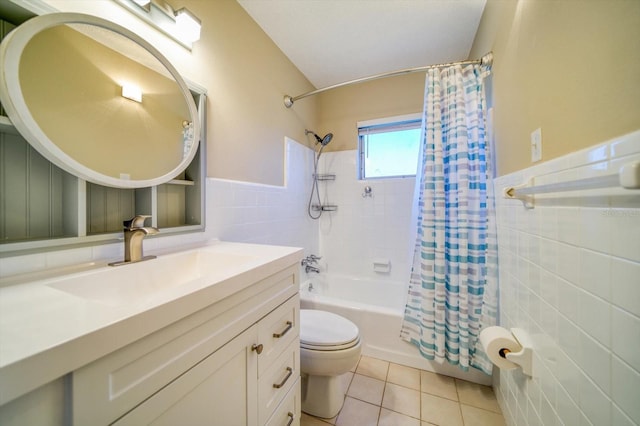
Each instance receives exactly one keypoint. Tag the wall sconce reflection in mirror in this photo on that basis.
(131, 91)
(181, 25)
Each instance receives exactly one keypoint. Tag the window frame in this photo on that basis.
(384, 125)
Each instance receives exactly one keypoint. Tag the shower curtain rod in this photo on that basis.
(486, 60)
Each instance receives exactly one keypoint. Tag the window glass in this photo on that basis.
(389, 149)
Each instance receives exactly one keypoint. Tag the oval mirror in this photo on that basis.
(97, 100)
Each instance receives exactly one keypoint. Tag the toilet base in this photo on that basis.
(322, 396)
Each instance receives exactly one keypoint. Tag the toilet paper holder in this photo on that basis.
(523, 357)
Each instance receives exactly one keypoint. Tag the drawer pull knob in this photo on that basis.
(257, 348)
(291, 418)
(285, 331)
(281, 384)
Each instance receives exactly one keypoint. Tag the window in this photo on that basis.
(389, 147)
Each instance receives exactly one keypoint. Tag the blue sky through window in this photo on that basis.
(390, 154)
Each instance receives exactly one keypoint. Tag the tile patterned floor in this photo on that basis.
(381, 393)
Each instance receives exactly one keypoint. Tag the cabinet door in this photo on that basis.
(220, 390)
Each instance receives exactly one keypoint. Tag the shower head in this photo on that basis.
(327, 138)
(324, 141)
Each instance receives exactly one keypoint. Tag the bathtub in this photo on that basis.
(376, 307)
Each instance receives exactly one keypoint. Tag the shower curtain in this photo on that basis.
(453, 282)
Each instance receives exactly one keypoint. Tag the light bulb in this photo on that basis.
(188, 25)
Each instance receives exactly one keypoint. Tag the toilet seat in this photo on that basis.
(326, 331)
(329, 348)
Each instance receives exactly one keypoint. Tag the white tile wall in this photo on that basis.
(365, 228)
(252, 213)
(570, 275)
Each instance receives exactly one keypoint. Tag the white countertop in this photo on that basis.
(46, 332)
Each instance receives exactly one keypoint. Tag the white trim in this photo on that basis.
(388, 120)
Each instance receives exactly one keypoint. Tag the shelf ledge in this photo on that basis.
(181, 182)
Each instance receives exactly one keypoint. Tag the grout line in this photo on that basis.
(481, 408)
(384, 391)
(420, 400)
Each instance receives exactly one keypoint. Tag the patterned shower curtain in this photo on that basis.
(453, 283)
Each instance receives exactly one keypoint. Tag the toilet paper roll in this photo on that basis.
(494, 340)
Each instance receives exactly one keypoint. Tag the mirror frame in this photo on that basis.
(14, 103)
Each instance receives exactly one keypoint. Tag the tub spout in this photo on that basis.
(309, 268)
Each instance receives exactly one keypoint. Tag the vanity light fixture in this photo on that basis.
(188, 25)
(131, 91)
(181, 25)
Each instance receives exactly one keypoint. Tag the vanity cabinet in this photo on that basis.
(236, 362)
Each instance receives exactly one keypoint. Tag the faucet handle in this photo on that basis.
(136, 222)
(311, 259)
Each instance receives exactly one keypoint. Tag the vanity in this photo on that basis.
(206, 335)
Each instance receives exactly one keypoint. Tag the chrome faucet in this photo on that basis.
(309, 268)
(134, 233)
(312, 259)
(308, 263)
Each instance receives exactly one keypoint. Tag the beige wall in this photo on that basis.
(571, 67)
(340, 109)
(246, 76)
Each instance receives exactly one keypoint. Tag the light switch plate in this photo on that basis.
(536, 145)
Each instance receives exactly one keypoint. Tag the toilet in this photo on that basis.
(329, 347)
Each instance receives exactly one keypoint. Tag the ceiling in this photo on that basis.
(332, 41)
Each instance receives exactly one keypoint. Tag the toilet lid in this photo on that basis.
(322, 330)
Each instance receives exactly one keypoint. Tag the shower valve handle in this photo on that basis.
(310, 260)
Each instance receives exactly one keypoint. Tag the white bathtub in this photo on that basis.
(376, 307)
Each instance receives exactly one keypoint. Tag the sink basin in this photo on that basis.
(137, 282)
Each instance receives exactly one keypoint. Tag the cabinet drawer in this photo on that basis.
(276, 332)
(278, 380)
(288, 412)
